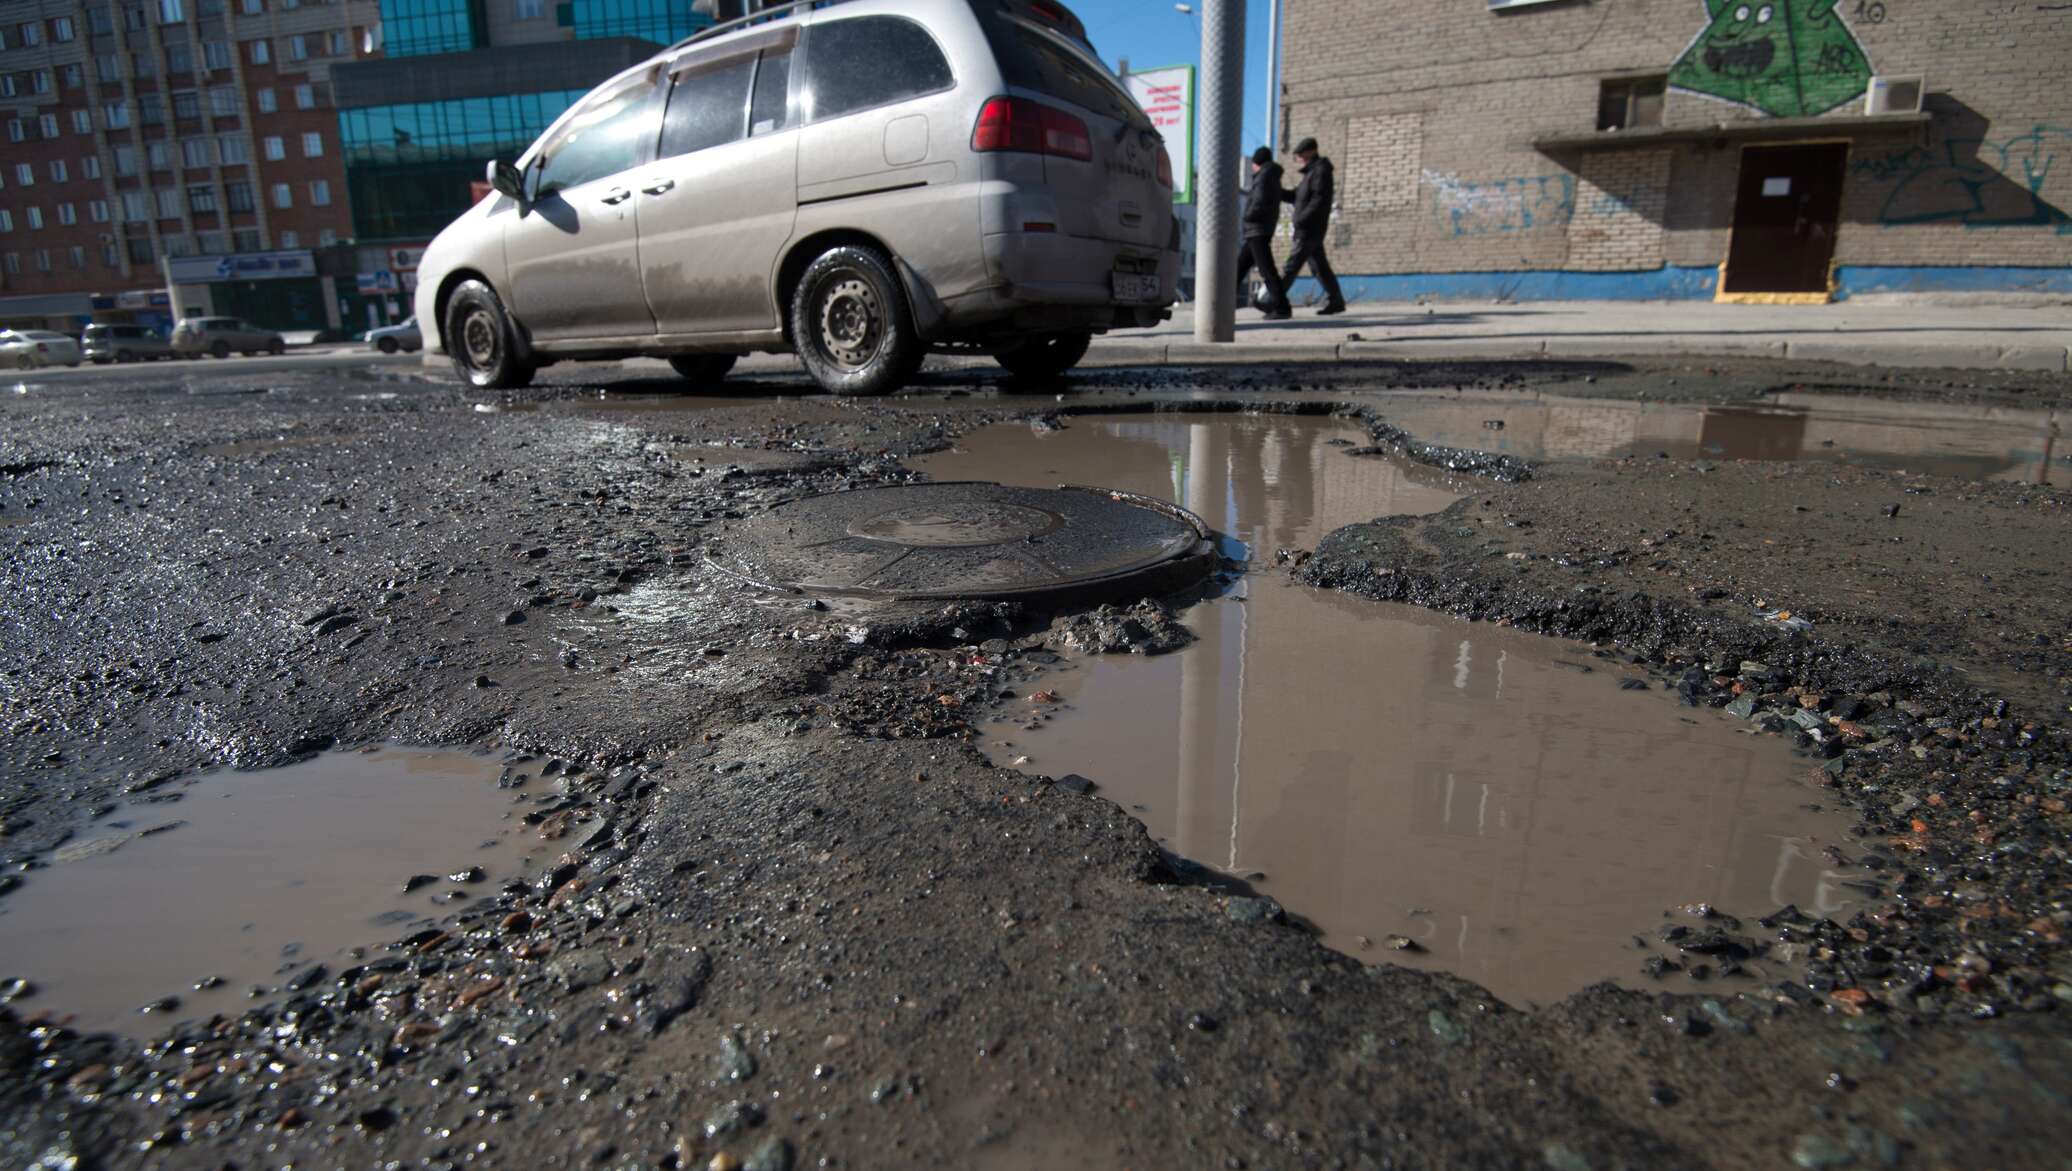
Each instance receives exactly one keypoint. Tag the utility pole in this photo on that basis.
(1222, 120)
(1273, 75)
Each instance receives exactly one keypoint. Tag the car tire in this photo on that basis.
(701, 369)
(388, 345)
(25, 362)
(483, 341)
(277, 347)
(72, 365)
(220, 350)
(1045, 355)
(851, 324)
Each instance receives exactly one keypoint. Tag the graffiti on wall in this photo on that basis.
(1977, 182)
(1493, 206)
(1787, 58)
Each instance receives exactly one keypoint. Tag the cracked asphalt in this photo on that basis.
(800, 921)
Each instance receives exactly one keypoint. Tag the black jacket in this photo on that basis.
(1263, 201)
(1312, 198)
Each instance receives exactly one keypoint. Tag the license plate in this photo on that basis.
(1136, 286)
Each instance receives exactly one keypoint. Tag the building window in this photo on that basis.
(25, 174)
(247, 240)
(144, 64)
(275, 150)
(82, 121)
(77, 254)
(68, 214)
(223, 101)
(215, 55)
(97, 210)
(252, 7)
(90, 166)
(17, 130)
(49, 125)
(1629, 103)
(169, 12)
(29, 34)
(528, 9)
(232, 149)
(266, 102)
(319, 193)
(13, 263)
(58, 173)
(108, 67)
(7, 87)
(283, 195)
(168, 203)
(313, 145)
(61, 28)
(6, 220)
(326, 237)
(201, 198)
(238, 196)
(179, 59)
(298, 48)
(186, 104)
(109, 256)
(290, 239)
(125, 161)
(208, 8)
(150, 110)
(158, 156)
(133, 19)
(194, 152)
(74, 75)
(305, 97)
(116, 115)
(210, 243)
(177, 246)
(43, 260)
(40, 81)
(35, 217)
(100, 21)
(336, 44)
(136, 205)
(140, 249)
(258, 52)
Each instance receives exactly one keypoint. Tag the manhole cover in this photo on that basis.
(970, 540)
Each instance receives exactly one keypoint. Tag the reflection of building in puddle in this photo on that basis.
(1372, 761)
(1969, 442)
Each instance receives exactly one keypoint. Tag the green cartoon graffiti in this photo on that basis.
(1787, 58)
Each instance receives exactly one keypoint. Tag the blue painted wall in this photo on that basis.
(1675, 283)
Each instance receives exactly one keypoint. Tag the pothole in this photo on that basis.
(1424, 790)
(194, 900)
(1967, 442)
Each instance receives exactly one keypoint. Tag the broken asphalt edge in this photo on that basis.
(1946, 355)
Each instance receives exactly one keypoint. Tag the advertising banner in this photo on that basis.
(1167, 95)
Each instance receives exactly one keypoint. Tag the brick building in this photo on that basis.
(1690, 148)
(198, 132)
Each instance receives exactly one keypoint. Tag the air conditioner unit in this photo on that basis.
(1893, 95)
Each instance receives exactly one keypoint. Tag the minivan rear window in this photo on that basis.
(1038, 59)
(870, 61)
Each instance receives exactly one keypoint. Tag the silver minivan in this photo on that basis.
(860, 182)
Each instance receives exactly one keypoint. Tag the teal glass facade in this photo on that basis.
(409, 167)
(662, 21)
(415, 28)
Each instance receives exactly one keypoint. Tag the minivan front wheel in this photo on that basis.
(851, 324)
(480, 337)
(1045, 355)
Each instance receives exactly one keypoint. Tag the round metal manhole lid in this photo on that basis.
(969, 540)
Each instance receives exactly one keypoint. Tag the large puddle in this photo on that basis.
(247, 879)
(1968, 442)
(1508, 804)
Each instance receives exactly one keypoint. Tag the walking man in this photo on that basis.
(1312, 217)
(1262, 215)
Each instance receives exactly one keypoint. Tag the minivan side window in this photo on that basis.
(869, 61)
(770, 111)
(707, 107)
(602, 139)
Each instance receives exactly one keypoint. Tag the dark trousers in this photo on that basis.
(1309, 249)
(1258, 253)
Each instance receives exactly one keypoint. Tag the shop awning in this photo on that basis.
(1748, 130)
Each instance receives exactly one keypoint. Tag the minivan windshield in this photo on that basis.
(1033, 57)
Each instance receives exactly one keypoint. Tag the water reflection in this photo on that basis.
(1494, 796)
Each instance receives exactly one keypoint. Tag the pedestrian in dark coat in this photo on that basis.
(1262, 215)
(1312, 217)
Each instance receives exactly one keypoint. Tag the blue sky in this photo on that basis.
(1150, 34)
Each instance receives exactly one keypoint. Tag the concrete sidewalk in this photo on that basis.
(1966, 336)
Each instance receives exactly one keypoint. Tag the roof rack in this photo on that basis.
(763, 13)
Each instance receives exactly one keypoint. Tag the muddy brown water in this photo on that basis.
(248, 878)
(1381, 771)
(1969, 442)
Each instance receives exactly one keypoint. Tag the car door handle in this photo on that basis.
(658, 186)
(616, 195)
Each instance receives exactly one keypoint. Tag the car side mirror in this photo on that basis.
(507, 180)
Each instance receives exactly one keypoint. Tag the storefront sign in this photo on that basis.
(245, 266)
(377, 282)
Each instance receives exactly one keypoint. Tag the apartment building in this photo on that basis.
(190, 143)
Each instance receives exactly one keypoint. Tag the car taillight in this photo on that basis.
(1018, 124)
(1165, 169)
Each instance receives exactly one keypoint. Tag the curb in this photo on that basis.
(1949, 355)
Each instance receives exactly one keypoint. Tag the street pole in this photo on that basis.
(1215, 235)
(1273, 75)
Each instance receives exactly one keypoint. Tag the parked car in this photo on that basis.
(27, 349)
(125, 343)
(860, 182)
(218, 336)
(401, 336)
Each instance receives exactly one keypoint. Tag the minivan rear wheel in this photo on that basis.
(851, 324)
(482, 341)
(1045, 355)
(700, 369)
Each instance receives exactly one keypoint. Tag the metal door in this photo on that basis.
(1786, 210)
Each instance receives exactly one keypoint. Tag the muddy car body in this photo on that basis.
(860, 182)
(124, 343)
(28, 349)
(219, 337)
